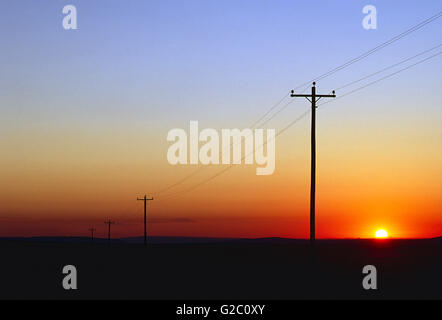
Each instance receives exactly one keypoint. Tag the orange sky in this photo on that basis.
(85, 115)
(62, 181)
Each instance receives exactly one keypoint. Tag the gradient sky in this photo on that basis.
(85, 115)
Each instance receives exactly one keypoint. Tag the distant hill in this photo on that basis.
(129, 240)
(182, 240)
(59, 239)
(156, 240)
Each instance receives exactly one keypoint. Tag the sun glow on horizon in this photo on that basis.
(381, 233)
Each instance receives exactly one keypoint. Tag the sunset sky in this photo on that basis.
(85, 115)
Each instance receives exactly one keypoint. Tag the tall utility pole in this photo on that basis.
(108, 222)
(145, 199)
(314, 98)
(92, 233)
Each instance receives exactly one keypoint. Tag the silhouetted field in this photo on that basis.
(243, 269)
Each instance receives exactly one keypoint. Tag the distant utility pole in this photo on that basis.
(92, 233)
(314, 98)
(145, 199)
(109, 222)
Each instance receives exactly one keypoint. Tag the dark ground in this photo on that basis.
(231, 270)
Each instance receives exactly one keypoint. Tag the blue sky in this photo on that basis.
(206, 59)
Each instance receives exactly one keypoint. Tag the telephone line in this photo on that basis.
(294, 122)
(379, 47)
(385, 77)
(307, 84)
(387, 68)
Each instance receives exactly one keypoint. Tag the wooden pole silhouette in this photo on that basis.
(109, 222)
(145, 199)
(314, 98)
(92, 233)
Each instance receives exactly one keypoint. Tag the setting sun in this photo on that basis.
(381, 233)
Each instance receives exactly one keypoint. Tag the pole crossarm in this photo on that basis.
(307, 96)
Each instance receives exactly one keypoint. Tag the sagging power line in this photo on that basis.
(386, 77)
(293, 122)
(375, 49)
(320, 77)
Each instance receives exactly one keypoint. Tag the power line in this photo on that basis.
(197, 170)
(294, 122)
(200, 168)
(227, 168)
(307, 84)
(270, 110)
(360, 57)
(366, 54)
(387, 68)
(375, 49)
(385, 77)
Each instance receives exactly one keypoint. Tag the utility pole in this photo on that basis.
(145, 199)
(92, 233)
(108, 222)
(314, 98)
